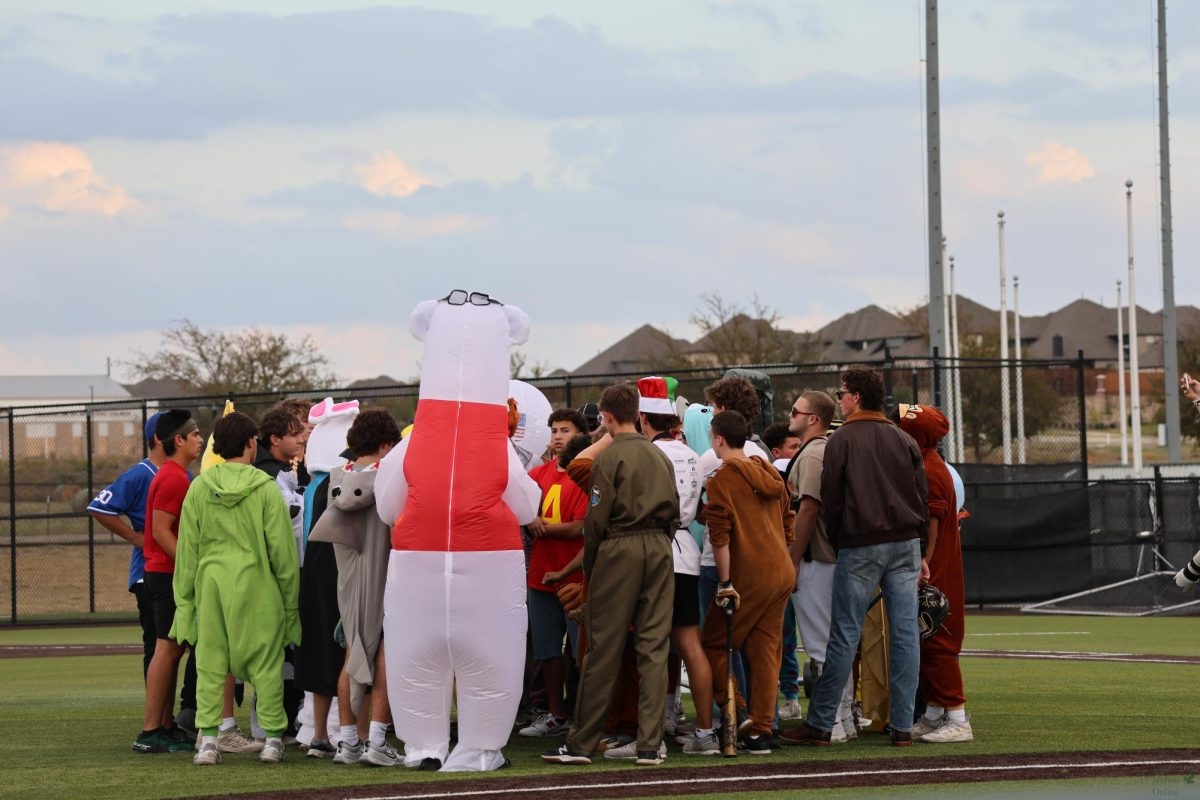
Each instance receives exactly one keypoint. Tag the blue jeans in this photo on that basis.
(893, 567)
(789, 667)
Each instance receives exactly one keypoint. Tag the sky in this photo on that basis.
(319, 167)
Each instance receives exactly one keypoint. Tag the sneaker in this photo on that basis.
(150, 742)
(697, 745)
(790, 709)
(179, 735)
(272, 752)
(234, 741)
(926, 725)
(807, 735)
(951, 730)
(564, 755)
(755, 745)
(838, 734)
(649, 758)
(545, 725)
(381, 756)
(348, 753)
(901, 738)
(208, 754)
(320, 748)
(609, 742)
(429, 765)
(629, 751)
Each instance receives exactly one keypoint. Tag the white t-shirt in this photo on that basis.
(708, 465)
(689, 484)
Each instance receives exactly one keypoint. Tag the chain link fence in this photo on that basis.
(56, 564)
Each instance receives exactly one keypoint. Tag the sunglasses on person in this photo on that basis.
(460, 297)
(840, 393)
(795, 412)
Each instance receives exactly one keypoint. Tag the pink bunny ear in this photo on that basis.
(320, 410)
(348, 408)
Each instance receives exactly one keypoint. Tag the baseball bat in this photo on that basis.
(729, 747)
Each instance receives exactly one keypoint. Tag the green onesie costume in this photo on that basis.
(236, 588)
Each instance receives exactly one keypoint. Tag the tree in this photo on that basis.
(731, 335)
(519, 366)
(981, 398)
(214, 362)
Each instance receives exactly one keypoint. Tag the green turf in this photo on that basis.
(70, 720)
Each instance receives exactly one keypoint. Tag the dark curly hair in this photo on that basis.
(734, 394)
(867, 383)
(372, 429)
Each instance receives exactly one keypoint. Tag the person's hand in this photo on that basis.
(727, 596)
(1190, 387)
(537, 527)
(924, 571)
(554, 576)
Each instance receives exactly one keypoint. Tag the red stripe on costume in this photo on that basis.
(457, 470)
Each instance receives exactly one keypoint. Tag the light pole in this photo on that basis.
(1005, 411)
(1121, 379)
(955, 350)
(1019, 375)
(1135, 389)
(948, 392)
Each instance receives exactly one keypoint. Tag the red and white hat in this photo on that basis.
(655, 396)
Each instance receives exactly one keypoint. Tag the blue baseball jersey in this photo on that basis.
(127, 496)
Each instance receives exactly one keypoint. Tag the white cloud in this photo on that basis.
(60, 177)
(404, 226)
(387, 176)
(1058, 163)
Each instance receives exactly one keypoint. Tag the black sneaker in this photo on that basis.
(150, 742)
(564, 755)
(759, 745)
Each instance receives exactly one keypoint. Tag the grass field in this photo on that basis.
(69, 721)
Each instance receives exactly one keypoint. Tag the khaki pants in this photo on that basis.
(632, 582)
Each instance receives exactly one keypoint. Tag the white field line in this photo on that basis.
(1036, 633)
(733, 779)
(1077, 655)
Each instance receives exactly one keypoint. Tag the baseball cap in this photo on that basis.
(151, 424)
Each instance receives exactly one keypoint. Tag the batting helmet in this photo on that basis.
(932, 609)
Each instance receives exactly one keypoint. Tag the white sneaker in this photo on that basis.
(849, 727)
(926, 725)
(790, 709)
(208, 753)
(951, 730)
(630, 751)
(272, 752)
(838, 734)
(545, 725)
(385, 756)
(348, 753)
(234, 741)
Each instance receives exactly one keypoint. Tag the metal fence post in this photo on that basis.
(567, 391)
(936, 380)
(1080, 388)
(12, 514)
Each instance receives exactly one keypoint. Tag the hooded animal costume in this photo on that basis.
(236, 584)
(941, 678)
(455, 494)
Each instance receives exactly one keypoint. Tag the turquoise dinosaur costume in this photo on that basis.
(236, 587)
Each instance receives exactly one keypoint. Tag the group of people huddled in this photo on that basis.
(670, 538)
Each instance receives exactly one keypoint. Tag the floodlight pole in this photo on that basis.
(1019, 376)
(1121, 379)
(1135, 389)
(1005, 411)
(933, 162)
(1170, 337)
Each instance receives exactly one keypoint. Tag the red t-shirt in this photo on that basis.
(166, 494)
(562, 501)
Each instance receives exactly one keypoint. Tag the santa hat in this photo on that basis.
(655, 396)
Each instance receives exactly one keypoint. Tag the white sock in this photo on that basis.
(350, 735)
(958, 716)
(208, 740)
(228, 724)
(378, 733)
(934, 712)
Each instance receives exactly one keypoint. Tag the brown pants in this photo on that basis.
(758, 634)
(632, 582)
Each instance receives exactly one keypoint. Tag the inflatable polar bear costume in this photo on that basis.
(455, 493)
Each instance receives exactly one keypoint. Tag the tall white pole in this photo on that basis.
(1135, 389)
(1020, 377)
(948, 382)
(1121, 379)
(1005, 411)
(956, 351)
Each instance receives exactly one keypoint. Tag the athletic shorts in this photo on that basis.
(687, 601)
(548, 624)
(159, 585)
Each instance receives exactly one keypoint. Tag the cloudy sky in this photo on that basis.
(317, 166)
